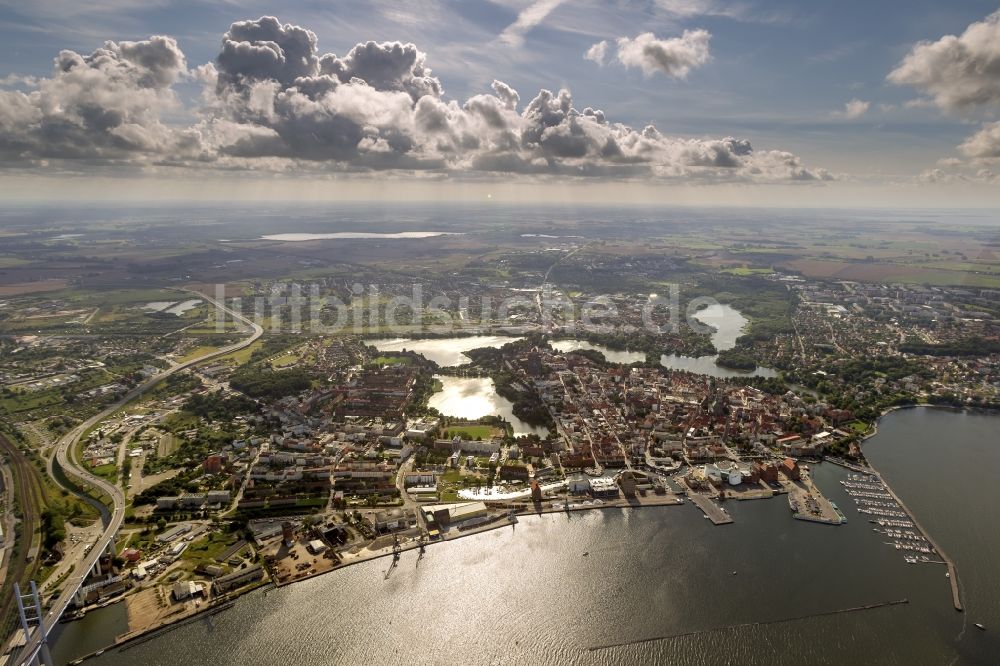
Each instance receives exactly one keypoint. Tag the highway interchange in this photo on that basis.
(64, 456)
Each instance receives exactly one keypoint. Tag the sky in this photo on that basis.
(776, 103)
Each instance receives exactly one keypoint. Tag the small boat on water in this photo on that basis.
(980, 627)
(75, 615)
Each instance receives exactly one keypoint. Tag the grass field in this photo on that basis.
(391, 360)
(471, 431)
(109, 472)
(195, 352)
(205, 550)
(745, 270)
(890, 272)
(285, 361)
(12, 262)
(21, 402)
(109, 297)
(180, 421)
(241, 356)
(859, 427)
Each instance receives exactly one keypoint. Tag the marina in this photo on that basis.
(874, 499)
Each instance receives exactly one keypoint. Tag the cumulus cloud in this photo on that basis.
(106, 104)
(598, 52)
(19, 80)
(984, 144)
(273, 100)
(958, 176)
(264, 50)
(957, 72)
(674, 57)
(854, 109)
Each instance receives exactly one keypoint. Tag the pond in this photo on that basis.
(446, 352)
(476, 397)
(728, 323)
(612, 355)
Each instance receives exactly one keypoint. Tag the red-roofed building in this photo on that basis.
(790, 468)
(214, 464)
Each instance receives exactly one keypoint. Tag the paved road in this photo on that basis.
(65, 454)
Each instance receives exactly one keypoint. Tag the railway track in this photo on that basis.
(28, 489)
(80, 476)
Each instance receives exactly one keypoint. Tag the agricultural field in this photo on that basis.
(743, 271)
(892, 272)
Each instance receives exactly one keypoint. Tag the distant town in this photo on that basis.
(187, 446)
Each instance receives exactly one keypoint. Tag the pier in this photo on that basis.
(712, 511)
(846, 465)
(956, 593)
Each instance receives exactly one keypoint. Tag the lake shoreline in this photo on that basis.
(953, 577)
(551, 547)
(230, 600)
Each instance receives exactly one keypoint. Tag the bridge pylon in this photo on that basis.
(29, 609)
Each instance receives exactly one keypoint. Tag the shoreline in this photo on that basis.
(230, 600)
(927, 405)
(498, 523)
(956, 592)
(505, 521)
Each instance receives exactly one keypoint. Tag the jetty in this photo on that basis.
(712, 511)
(847, 465)
(956, 593)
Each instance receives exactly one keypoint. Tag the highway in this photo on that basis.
(64, 456)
